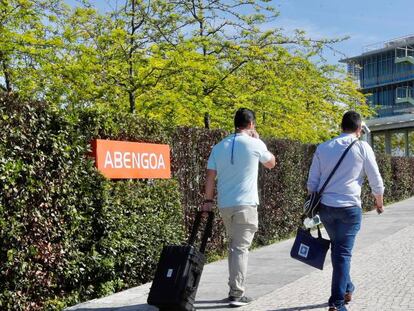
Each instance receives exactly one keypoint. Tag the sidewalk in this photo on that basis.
(383, 272)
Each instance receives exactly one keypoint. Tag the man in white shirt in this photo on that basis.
(340, 210)
(234, 161)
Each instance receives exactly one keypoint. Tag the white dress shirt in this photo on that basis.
(344, 188)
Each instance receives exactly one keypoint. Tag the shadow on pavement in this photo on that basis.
(213, 301)
(213, 307)
(212, 304)
(310, 307)
(139, 307)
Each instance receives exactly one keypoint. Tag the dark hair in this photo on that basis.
(243, 117)
(351, 121)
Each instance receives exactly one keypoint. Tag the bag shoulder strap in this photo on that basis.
(319, 231)
(337, 165)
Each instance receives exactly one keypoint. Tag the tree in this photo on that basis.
(293, 97)
(25, 40)
(177, 61)
(230, 62)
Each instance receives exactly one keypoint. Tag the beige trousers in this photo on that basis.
(241, 224)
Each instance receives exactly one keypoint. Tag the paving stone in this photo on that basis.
(382, 274)
(382, 271)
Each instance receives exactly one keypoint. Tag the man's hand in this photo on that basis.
(206, 207)
(380, 209)
(209, 192)
(379, 203)
(253, 133)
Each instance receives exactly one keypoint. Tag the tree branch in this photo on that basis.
(217, 84)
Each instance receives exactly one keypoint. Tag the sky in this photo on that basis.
(364, 21)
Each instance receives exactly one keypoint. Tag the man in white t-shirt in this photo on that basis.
(234, 161)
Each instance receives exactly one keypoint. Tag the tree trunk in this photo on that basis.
(131, 72)
(207, 120)
(131, 101)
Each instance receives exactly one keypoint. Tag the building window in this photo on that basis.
(411, 143)
(378, 141)
(398, 144)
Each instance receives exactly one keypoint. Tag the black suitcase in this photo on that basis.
(179, 270)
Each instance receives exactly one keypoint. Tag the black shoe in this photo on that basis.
(239, 301)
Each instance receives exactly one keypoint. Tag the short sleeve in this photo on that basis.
(211, 164)
(264, 154)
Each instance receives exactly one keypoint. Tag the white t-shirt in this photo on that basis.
(237, 182)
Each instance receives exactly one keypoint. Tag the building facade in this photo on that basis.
(385, 73)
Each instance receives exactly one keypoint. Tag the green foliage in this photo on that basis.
(282, 190)
(28, 44)
(175, 61)
(136, 221)
(190, 151)
(67, 234)
(403, 177)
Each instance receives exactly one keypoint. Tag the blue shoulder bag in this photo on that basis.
(306, 248)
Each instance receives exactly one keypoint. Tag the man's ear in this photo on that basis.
(358, 132)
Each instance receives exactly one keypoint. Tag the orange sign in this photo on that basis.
(122, 159)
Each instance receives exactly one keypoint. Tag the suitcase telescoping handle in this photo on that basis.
(208, 230)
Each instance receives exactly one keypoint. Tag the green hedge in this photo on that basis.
(68, 235)
(190, 151)
(282, 190)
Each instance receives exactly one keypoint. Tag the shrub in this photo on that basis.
(67, 234)
(403, 177)
(282, 190)
(190, 151)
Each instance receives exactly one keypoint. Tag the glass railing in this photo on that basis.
(404, 55)
(387, 79)
(404, 94)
